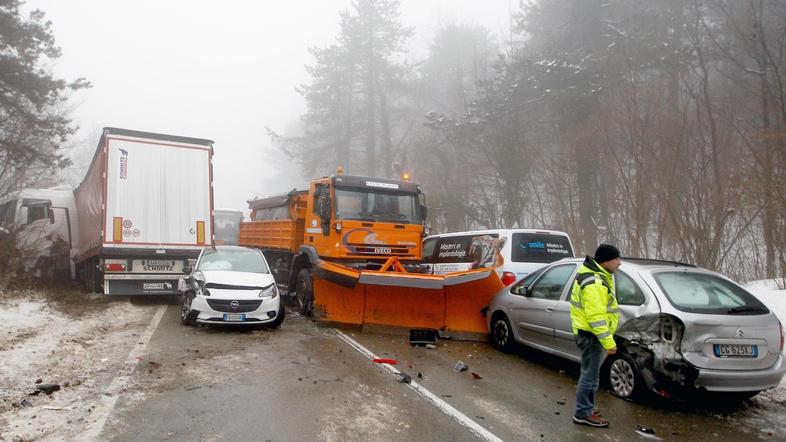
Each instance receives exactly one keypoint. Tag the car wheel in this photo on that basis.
(187, 316)
(623, 376)
(501, 332)
(282, 313)
(304, 292)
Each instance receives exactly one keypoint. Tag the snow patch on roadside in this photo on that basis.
(78, 341)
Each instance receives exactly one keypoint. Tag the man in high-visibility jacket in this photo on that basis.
(594, 316)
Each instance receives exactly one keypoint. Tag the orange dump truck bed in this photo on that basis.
(277, 223)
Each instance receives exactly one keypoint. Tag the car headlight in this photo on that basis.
(270, 291)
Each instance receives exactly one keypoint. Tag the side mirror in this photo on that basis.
(522, 290)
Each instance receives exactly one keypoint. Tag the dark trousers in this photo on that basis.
(592, 354)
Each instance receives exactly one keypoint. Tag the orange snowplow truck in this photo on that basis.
(349, 248)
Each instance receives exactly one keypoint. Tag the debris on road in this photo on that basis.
(422, 336)
(25, 403)
(49, 407)
(385, 361)
(476, 376)
(48, 388)
(646, 432)
(431, 346)
(404, 378)
(39, 380)
(460, 366)
(562, 402)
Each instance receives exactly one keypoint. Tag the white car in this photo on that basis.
(232, 285)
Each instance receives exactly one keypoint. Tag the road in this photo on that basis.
(308, 382)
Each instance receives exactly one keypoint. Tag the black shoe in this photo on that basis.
(594, 420)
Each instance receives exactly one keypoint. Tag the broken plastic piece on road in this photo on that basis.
(460, 366)
(476, 376)
(49, 407)
(104, 359)
(431, 346)
(647, 432)
(422, 336)
(405, 378)
(25, 403)
(385, 361)
(48, 388)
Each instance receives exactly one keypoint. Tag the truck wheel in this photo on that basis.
(304, 292)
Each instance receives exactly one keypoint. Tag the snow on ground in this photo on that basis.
(77, 340)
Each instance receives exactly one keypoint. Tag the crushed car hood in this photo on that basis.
(240, 280)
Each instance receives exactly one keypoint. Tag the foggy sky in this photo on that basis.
(216, 70)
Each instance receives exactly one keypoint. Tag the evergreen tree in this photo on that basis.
(34, 124)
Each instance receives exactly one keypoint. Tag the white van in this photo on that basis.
(523, 251)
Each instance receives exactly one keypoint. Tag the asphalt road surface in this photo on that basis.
(306, 382)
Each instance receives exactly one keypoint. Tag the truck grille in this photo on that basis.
(375, 250)
(225, 305)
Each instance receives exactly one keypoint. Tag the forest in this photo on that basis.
(658, 126)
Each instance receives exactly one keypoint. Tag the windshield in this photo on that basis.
(227, 225)
(373, 205)
(705, 293)
(240, 260)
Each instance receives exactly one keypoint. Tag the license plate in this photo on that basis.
(735, 351)
(234, 317)
(157, 266)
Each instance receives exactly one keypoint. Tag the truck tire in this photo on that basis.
(304, 293)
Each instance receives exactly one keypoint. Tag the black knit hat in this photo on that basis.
(606, 252)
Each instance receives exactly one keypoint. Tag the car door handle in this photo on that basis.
(549, 309)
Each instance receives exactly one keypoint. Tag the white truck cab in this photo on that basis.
(43, 224)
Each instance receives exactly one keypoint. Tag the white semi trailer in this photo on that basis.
(145, 207)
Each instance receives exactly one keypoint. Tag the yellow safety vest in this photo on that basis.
(593, 303)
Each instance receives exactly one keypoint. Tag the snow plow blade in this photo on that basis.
(392, 297)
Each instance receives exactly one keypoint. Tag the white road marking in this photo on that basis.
(425, 393)
(107, 403)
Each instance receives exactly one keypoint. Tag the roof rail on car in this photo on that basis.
(657, 261)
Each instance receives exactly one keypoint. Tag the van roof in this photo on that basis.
(498, 231)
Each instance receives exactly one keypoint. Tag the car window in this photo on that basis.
(518, 288)
(706, 293)
(628, 292)
(552, 283)
(539, 247)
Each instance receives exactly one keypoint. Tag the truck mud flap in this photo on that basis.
(140, 287)
(450, 303)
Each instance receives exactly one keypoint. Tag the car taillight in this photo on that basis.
(115, 267)
(508, 278)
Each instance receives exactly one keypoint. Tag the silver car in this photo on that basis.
(681, 327)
